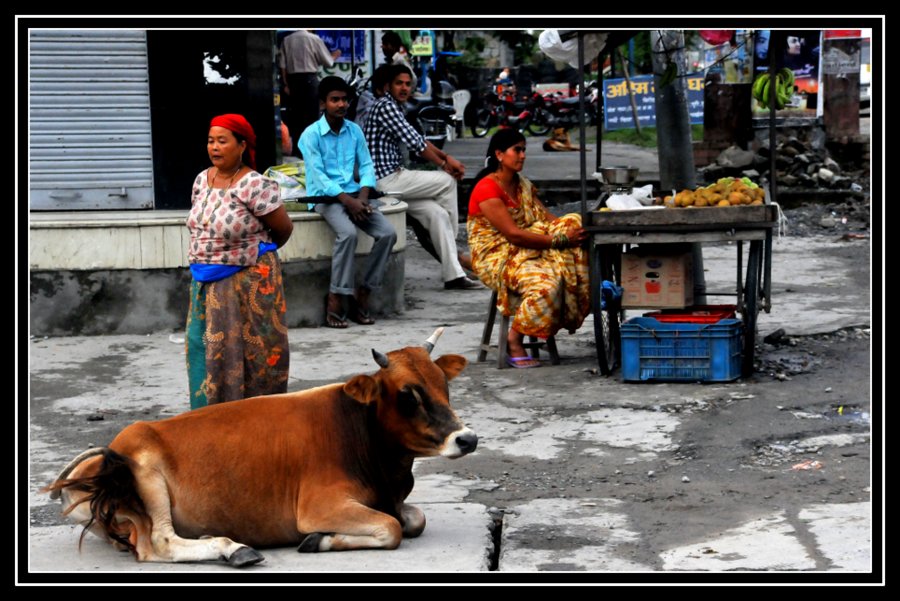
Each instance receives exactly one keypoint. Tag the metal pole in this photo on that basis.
(601, 110)
(776, 43)
(581, 129)
(352, 52)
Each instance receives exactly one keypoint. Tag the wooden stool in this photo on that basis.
(533, 344)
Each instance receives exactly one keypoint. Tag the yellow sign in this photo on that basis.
(423, 45)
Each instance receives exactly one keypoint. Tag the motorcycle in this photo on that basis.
(563, 111)
(431, 117)
(362, 95)
(506, 111)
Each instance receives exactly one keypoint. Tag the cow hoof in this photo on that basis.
(310, 544)
(245, 556)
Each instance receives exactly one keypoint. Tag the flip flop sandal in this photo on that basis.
(333, 320)
(516, 361)
(362, 317)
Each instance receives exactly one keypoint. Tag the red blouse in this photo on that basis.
(485, 189)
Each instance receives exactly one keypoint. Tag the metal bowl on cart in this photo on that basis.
(617, 176)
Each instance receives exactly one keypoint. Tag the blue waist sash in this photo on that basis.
(204, 272)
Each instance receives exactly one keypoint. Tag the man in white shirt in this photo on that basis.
(300, 56)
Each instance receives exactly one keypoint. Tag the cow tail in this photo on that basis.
(110, 489)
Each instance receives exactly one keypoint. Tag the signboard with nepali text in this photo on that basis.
(423, 45)
(617, 110)
(339, 39)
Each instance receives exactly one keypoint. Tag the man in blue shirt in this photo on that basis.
(333, 147)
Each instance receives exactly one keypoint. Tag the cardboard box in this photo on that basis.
(657, 279)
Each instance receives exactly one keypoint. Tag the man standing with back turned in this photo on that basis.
(430, 195)
(301, 55)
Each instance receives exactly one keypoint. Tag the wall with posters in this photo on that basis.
(617, 113)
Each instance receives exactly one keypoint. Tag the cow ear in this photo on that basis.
(451, 365)
(362, 388)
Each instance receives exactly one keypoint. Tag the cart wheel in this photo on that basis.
(750, 308)
(606, 320)
(483, 123)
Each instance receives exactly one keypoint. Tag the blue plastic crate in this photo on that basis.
(681, 352)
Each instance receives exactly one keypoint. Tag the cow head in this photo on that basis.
(412, 400)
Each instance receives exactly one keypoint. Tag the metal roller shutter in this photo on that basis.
(89, 120)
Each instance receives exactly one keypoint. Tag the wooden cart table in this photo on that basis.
(612, 232)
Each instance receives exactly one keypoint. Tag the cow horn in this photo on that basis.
(380, 359)
(429, 344)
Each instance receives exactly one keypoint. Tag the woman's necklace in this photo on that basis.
(505, 187)
(209, 190)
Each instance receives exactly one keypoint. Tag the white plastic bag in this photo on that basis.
(627, 202)
(290, 179)
(623, 202)
(644, 195)
(552, 45)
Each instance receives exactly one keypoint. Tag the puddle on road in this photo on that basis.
(840, 413)
(848, 415)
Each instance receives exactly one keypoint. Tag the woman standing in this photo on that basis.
(236, 337)
(531, 258)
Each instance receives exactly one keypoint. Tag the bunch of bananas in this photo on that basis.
(784, 88)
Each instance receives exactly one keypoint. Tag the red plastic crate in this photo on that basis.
(695, 314)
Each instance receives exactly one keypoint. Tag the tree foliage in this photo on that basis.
(523, 44)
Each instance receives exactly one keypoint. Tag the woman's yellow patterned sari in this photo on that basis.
(547, 290)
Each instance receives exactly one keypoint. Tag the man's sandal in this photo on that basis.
(333, 320)
(360, 315)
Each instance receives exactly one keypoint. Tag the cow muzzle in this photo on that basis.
(459, 443)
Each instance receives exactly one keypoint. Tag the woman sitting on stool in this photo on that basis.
(533, 259)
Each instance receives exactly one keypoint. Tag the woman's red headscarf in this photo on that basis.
(239, 125)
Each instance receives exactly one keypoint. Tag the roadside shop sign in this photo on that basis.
(423, 45)
(617, 113)
(835, 34)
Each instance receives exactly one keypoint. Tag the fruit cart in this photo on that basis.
(612, 232)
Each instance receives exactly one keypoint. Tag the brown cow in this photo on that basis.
(327, 468)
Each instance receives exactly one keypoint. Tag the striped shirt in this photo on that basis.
(386, 128)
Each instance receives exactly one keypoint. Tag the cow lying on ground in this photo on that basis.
(327, 468)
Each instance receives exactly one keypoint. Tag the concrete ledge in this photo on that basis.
(125, 272)
(159, 239)
(457, 538)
